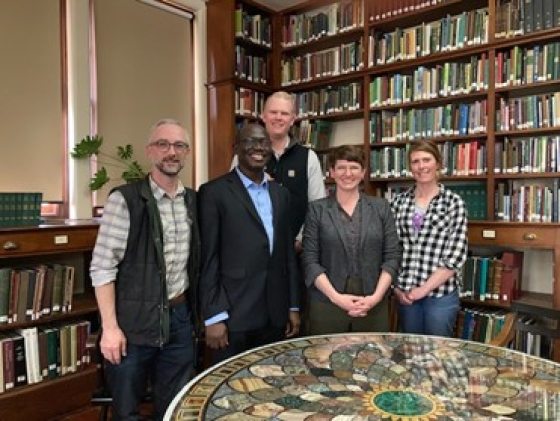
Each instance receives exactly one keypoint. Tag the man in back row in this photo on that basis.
(292, 165)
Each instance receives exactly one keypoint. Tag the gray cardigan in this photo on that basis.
(324, 249)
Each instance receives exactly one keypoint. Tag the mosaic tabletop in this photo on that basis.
(374, 377)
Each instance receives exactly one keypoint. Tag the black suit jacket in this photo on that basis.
(239, 275)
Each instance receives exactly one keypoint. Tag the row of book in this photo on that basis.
(18, 209)
(534, 343)
(325, 63)
(253, 27)
(447, 34)
(518, 17)
(379, 10)
(248, 102)
(479, 324)
(315, 134)
(325, 21)
(494, 278)
(35, 354)
(458, 159)
(329, 100)
(534, 202)
(527, 155)
(439, 81)
(31, 293)
(526, 65)
(528, 112)
(426, 123)
(250, 67)
(473, 195)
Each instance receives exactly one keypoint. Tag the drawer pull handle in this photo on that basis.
(530, 236)
(10, 245)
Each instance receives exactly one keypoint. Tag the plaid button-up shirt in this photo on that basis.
(441, 241)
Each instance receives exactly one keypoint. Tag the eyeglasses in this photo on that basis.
(163, 145)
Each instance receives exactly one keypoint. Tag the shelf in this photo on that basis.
(434, 101)
(255, 86)
(500, 176)
(425, 14)
(83, 305)
(439, 139)
(346, 36)
(326, 81)
(532, 38)
(486, 303)
(534, 299)
(49, 398)
(527, 87)
(528, 132)
(248, 43)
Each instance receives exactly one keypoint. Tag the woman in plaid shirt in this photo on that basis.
(432, 226)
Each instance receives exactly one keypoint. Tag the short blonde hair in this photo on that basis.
(282, 95)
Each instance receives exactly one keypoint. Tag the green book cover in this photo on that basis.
(5, 274)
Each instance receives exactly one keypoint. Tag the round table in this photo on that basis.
(373, 377)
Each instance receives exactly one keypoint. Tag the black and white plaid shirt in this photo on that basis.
(441, 242)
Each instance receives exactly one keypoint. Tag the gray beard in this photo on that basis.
(161, 167)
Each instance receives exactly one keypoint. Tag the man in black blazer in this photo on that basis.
(249, 282)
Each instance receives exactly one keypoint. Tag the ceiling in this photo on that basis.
(280, 4)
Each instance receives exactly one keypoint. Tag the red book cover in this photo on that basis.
(8, 354)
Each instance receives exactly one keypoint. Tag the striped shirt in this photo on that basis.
(112, 238)
(441, 241)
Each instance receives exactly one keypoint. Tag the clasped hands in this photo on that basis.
(356, 305)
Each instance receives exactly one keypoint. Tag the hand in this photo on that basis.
(292, 328)
(298, 246)
(217, 336)
(417, 293)
(113, 344)
(365, 304)
(348, 302)
(403, 297)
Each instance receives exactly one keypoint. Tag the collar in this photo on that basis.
(247, 182)
(410, 191)
(159, 193)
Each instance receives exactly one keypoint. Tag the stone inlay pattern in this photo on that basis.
(374, 377)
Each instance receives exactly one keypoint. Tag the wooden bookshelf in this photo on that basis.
(28, 246)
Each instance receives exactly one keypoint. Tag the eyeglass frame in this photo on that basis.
(164, 145)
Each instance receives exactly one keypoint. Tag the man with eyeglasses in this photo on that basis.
(249, 275)
(145, 270)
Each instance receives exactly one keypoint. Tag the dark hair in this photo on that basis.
(247, 130)
(352, 153)
(427, 146)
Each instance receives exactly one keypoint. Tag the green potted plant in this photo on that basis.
(91, 145)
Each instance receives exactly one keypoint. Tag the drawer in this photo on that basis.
(47, 241)
(504, 236)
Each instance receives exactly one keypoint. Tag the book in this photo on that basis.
(20, 369)
(68, 288)
(7, 344)
(5, 274)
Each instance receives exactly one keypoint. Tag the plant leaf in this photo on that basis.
(99, 179)
(87, 147)
(126, 152)
(134, 172)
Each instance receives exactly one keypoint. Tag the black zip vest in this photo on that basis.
(291, 172)
(141, 293)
